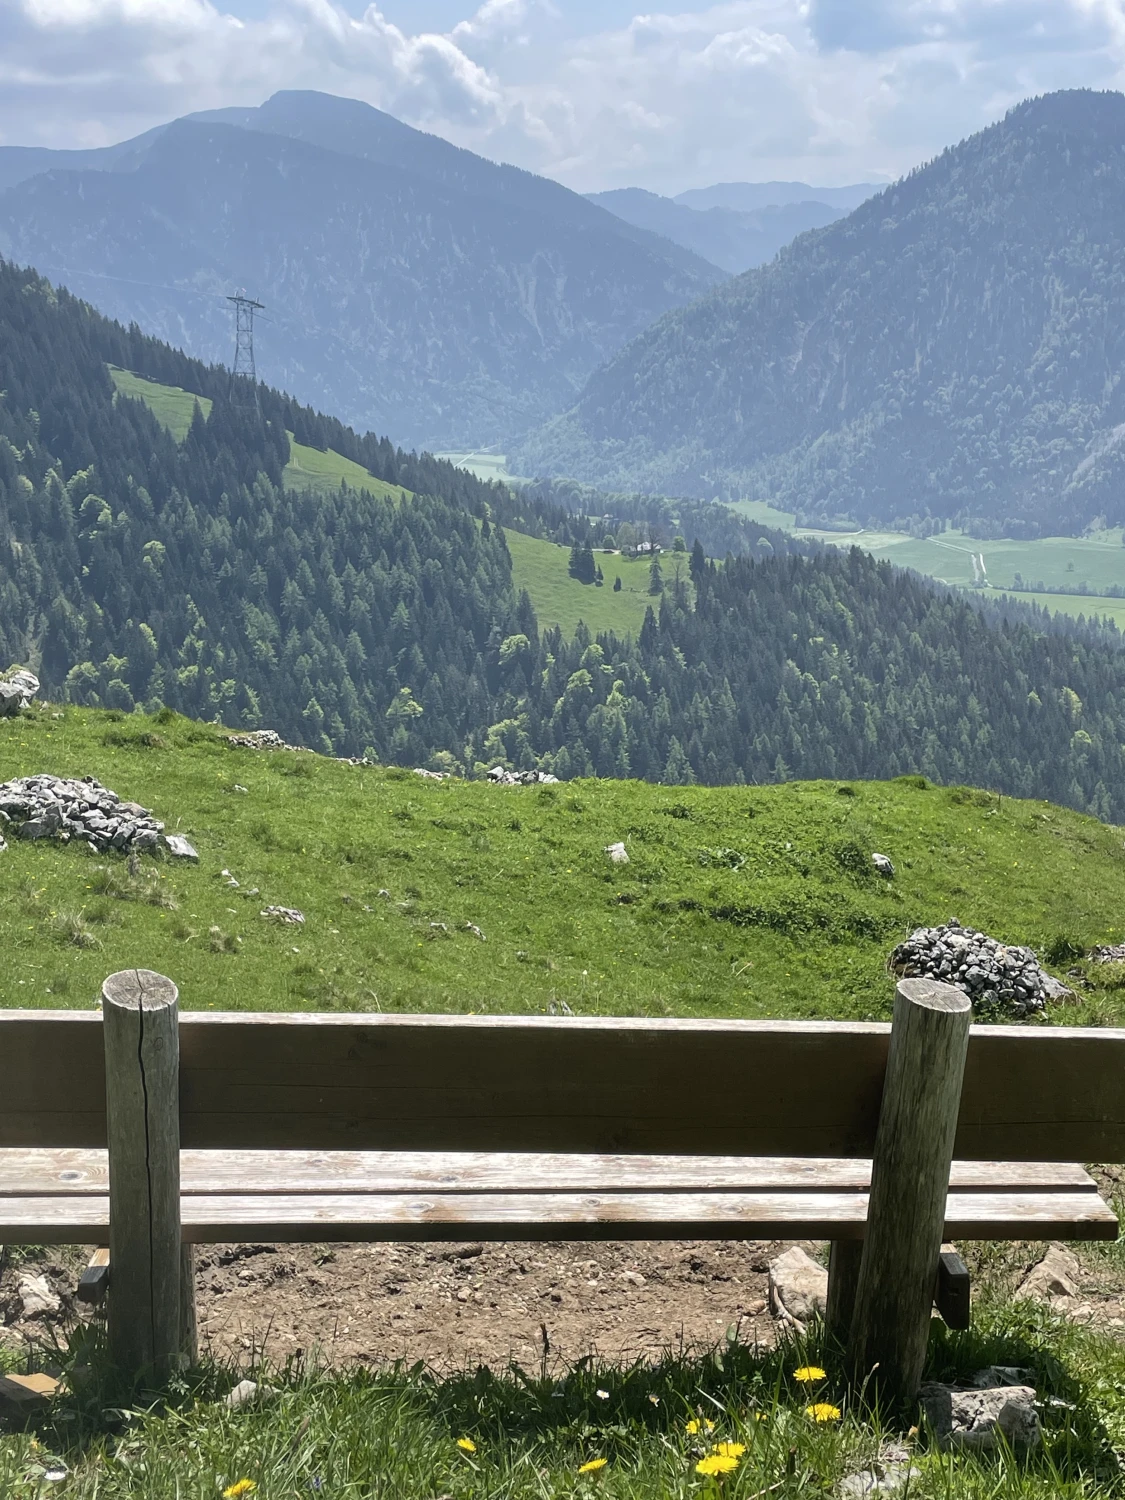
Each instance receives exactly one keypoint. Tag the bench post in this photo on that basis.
(909, 1183)
(140, 1014)
(844, 1257)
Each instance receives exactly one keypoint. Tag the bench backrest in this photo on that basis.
(769, 1088)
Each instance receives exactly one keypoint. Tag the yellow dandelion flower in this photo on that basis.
(593, 1466)
(809, 1374)
(716, 1463)
(823, 1411)
(695, 1425)
(729, 1450)
(466, 1445)
(239, 1488)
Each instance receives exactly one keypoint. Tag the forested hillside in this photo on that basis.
(951, 350)
(411, 285)
(135, 570)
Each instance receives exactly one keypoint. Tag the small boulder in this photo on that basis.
(798, 1288)
(245, 1392)
(979, 1420)
(1056, 1275)
(179, 848)
(17, 691)
(887, 1479)
(617, 854)
(37, 1296)
(296, 918)
(884, 866)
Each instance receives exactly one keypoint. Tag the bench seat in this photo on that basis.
(61, 1196)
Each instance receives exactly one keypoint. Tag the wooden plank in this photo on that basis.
(219, 1218)
(569, 1083)
(58, 1171)
(94, 1281)
(953, 1292)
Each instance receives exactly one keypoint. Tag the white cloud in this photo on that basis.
(829, 90)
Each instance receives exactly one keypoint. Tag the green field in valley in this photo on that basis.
(483, 464)
(541, 567)
(307, 469)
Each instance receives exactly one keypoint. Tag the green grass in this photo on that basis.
(737, 901)
(307, 469)
(525, 1435)
(484, 465)
(170, 404)
(540, 567)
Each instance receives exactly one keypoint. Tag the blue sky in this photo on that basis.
(596, 94)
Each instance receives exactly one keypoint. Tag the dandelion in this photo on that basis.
(809, 1374)
(695, 1425)
(823, 1411)
(239, 1488)
(593, 1466)
(466, 1445)
(729, 1450)
(715, 1464)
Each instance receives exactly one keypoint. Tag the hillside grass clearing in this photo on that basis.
(483, 464)
(737, 901)
(307, 469)
(541, 567)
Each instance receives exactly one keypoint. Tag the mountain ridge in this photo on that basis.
(948, 351)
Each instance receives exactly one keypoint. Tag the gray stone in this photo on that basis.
(617, 854)
(798, 1288)
(17, 691)
(883, 865)
(37, 1296)
(979, 1420)
(245, 1392)
(1056, 1275)
(288, 914)
(886, 1479)
(179, 847)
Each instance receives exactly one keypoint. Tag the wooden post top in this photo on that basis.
(931, 994)
(139, 989)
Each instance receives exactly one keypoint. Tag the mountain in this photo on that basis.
(411, 285)
(138, 570)
(734, 240)
(952, 349)
(747, 197)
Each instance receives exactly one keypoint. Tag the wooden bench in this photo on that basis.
(227, 1127)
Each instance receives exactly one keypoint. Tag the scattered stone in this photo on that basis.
(1109, 953)
(17, 691)
(37, 1296)
(501, 777)
(995, 977)
(260, 739)
(475, 930)
(980, 1419)
(999, 1375)
(245, 1392)
(1056, 1275)
(558, 1008)
(179, 847)
(617, 854)
(25, 1389)
(798, 1288)
(431, 775)
(62, 808)
(883, 865)
(237, 788)
(884, 1479)
(288, 914)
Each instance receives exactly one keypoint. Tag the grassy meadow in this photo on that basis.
(737, 901)
(540, 567)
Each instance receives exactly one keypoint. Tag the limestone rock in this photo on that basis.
(17, 691)
(978, 1419)
(291, 915)
(1056, 1275)
(887, 1479)
(63, 808)
(617, 854)
(179, 847)
(883, 866)
(245, 1392)
(798, 1287)
(996, 976)
(37, 1296)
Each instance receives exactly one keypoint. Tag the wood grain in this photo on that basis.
(25, 1172)
(571, 1084)
(218, 1218)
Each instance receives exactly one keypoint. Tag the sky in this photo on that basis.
(596, 93)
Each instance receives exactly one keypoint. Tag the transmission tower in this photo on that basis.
(240, 393)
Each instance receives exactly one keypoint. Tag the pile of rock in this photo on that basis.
(39, 807)
(1109, 953)
(994, 976)
(261, 739)
(17, 691)
(499, 776)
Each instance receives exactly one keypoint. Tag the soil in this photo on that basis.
(452, 1306)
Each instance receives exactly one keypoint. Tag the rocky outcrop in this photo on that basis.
(995, 976)
(16, 692)
(62, 808)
